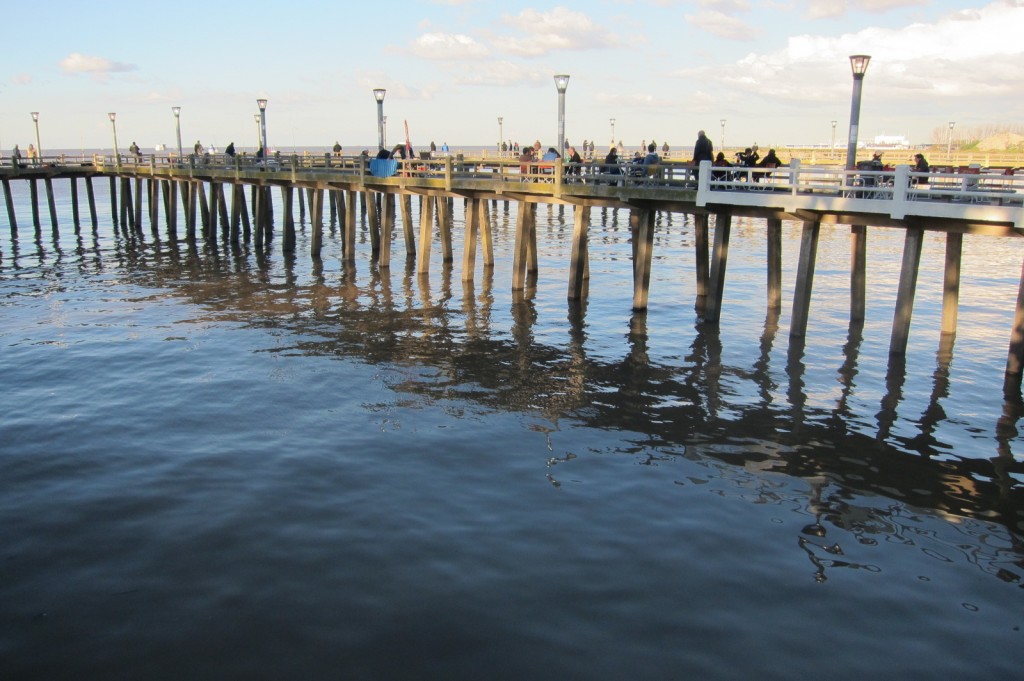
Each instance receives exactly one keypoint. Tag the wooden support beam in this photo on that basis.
(113, 201)
(701, 259)
(302, 207)
(204, 208)
(1015, 358)
(172, 208)
(912, 246)
(243, 211)
(316, 209)
(91, 198)
(387, 229)
(486, 238)
(951, 282)
(470, 239)
(288, 237)
(858, 273)
(33, 194)
(373, 222)
(804, 278)
(137, 223)
(222, 210)
(75, 215)
(643, 257)
(719, 260)
(237, 203)
(444, 223)
(531, 241)
(774, 264)
(154, 204)
(215, 192)
(525, 232)
(407, 231)
(349, 242)
(426, 234)
(9, 200)
(189, 199)
(257, 216)
(48, 183)
(579, 257)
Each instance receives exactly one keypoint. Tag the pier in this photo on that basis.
(212, 193)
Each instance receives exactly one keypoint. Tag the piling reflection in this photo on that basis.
(395, 316)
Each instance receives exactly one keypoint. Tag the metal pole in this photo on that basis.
(832, 149)
(612, 121)
(262, 103)
(259, 136)
(378, 94)
(113, 125)
(177, 128)
(949, 141)
(561, 82)
(722, 148)
(39, 147)
(501, 133)
(385, 131)
(859, 64)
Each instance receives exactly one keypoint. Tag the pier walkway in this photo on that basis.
(956, 201)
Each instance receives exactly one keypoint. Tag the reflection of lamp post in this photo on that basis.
(39, 147)
(722, 148)
(949, 140)
(501, 133)
(378, 94)
(177, 127)
(561, 82)
(612, 121)
(832, 149)
(113, 124)
(262, 104)
(859, 65)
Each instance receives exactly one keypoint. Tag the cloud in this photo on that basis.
(827, 9)
(722, 25)
(22, 79)
(498, 73)
(538, 33)
(917, 61)
(446, 46)
(98, 66)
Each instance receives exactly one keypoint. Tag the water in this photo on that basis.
(217, 463)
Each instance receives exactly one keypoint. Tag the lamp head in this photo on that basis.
(562, 82)
(859, 64)
(951, 124)
(176, 110)
(35, 116)
(262, 104)
(113, 116)
(378, 93)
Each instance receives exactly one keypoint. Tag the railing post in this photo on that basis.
(448, 173)
(703, 183)
(901, 181)
(794, 175)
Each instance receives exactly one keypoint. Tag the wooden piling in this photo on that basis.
(9, 200)
(172, 208)
(470, 239)
(1015, 357)
(48, 183)
(288, 236)
(580, 254)
(113, 201)
(407, 231)
(372, 222)
(138, 204)
(701, 258)
(349, 240)
(804, 278)
(75, 217)
(444, 223)
(719, 260)
(426, 234)
(387, 229)
(91, 198)
(222, 211)
(204, 208)
(316, 210)
(486, 239)
(951, 282)
(526, 234)
(33, 192)
(912, 247)
(774, 235)
(858, 273)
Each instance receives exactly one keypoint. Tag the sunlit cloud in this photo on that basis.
(498, 73)
(22, 79)
(538, 33)
(827, 9)
(82, 63)
(447, 46)
(721, 24)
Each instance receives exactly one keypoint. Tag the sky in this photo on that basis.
(776, 71)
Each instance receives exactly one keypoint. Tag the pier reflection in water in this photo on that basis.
(286, 467)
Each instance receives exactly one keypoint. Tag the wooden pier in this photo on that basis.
(212, 193)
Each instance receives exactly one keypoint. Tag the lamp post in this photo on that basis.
(832, 149)
(385, 119)
(262, 104)
(177, 127)
(949, 141)
(612, 121)
(859, 66)
(113, 125)
(561, 82)
(256, 117)
(39, 147)
(378, 94)
(501, 133)
(722, 148)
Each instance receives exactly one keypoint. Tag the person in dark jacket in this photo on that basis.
(703, 150)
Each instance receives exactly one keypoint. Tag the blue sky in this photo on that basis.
(776, 70)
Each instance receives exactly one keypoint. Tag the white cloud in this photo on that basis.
(498, 73)
(722, 25)
(827, 9)
(82, 63)
(539, 33)
(22, 79)
(920, 60)
(447, 46)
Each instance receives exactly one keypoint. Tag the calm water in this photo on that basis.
(220, 464)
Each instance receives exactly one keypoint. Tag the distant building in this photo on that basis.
(891, 142)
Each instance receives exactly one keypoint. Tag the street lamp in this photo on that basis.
(949, 140)
(385, 131)
(561, 82)
(256, 117)
(177, 127)
(859, 65)
(612, 121)
(113, 124)
(832, 149)
(39, 147)
(501, 133)
(262, 104)
(378, 94)
(722, 148)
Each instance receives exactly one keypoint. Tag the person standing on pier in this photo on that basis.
(703, 150)
(15, 156)
(198, 148)
(229, 150)
(337, 148)
(31, 154)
